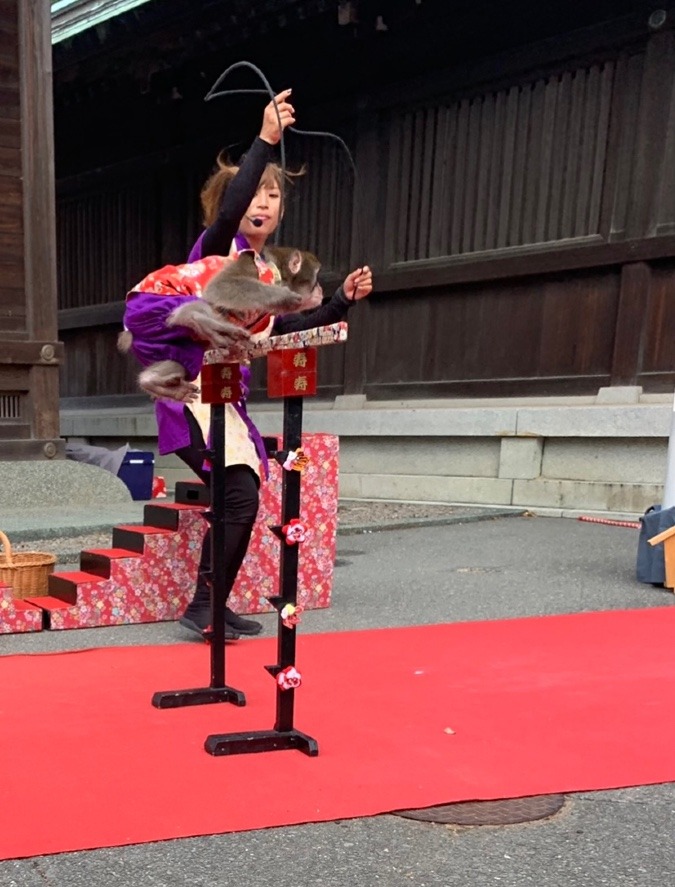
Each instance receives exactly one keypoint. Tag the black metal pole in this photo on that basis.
(218, 565)
(284, 735)
(288, 566)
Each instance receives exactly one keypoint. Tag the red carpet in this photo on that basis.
(535, 705)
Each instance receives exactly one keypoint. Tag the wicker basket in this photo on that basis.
(25, 573)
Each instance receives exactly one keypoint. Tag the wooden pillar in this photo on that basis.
(656, 94)
(646, 194)
(631, 323)
(29, 352)
(366, 243)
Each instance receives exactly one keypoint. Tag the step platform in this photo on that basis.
(148, 574)
(17, 615)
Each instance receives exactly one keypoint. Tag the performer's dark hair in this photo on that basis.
(215, 186)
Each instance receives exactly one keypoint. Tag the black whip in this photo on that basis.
(214, 93)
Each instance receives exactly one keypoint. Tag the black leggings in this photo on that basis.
(241, 508)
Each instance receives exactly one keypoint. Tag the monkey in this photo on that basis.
(299, 272)
(234, 305)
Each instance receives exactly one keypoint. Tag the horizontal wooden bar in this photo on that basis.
(525, 261)
(23, 450)
(496, 387)
(91, 315)
(30, 353)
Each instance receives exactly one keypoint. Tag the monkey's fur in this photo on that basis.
(299, 270)
(234, 293)
(237, 292)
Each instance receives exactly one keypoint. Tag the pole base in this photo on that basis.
(261, 740)
(197, 696)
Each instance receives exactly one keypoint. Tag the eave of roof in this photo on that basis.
(71, 17)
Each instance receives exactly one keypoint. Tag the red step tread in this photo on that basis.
(178, 506)
(47, 602)
(112, 553)
(78, 577)
(26, 603)
(145, 529)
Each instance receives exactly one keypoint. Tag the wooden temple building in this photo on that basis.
(514, 187)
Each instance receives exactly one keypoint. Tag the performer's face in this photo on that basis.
(264, 209)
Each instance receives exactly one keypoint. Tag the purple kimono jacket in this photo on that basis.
(145, 318)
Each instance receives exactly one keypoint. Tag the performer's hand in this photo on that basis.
(269, 132)
(358, 284)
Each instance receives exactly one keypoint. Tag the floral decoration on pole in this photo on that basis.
(295, 531)
(296, 460)
(290, 615)
(289, 678)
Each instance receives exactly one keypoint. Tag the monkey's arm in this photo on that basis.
(332, 312)
(217, 238)
(237, 290)
(202, 321)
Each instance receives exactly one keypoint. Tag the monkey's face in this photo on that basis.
(311, 297)
(300, 272)
(264, 212)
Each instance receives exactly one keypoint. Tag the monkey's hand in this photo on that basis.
(166, 380)
(204, 322)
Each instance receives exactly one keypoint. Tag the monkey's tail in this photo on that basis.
(124, 341)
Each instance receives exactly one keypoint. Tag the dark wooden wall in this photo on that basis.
(29, 353)
(519, 212)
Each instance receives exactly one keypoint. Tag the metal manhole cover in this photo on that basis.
(506, 812)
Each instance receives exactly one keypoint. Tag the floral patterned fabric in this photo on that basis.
(17, 616)
(158, 584)
(154, 341)
(191, 279)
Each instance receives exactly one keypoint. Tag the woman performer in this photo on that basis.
(242, 208)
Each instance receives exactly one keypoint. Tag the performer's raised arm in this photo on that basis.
(228, 193)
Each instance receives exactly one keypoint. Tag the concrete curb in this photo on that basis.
(74, 532)
(412, 523)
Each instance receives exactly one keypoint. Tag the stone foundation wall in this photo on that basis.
(554, 455)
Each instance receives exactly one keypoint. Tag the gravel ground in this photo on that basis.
(368, 512)
(66, 548)
(350, 514)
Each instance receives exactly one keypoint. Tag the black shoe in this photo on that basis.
(201, 625)
(239, 624)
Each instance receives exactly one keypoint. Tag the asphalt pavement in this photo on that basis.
(474, 570)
